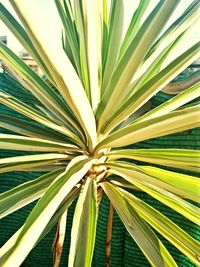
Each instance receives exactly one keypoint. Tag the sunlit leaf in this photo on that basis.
(173, 122)
(43, 211)
(139, 230)
(178, 158)
(84, 226)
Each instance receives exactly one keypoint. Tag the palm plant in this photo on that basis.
(95, 103)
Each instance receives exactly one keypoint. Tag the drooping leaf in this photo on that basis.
(25, 193)
(183, 186)
(139, 230)
(44, 210)
(139, 180)
(173, 233)
(84, 226)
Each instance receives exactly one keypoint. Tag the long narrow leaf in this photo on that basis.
(131, 60)
(20, 163)
(115, 29)
(134, 25)
(185, 186)
(19, 32)
(84, 226)
(44, 93)
(27, 128)
(62, 208)
(174, 103)
(62, 72)
(178, 158)
(181, 26)
(43, 211)
(148, 242)
(70, 32)
(25, 193)
(14, 142)
(32, 113)
(173, 233)
(88, 24)
(185, 182)
(176, 121)
(188, 210)
(105, 33)
(187, 19)
(154, 85)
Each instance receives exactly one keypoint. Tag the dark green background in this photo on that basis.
(124, 252)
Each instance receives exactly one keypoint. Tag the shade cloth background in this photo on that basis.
(124, 252)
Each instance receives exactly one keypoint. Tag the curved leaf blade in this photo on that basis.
(184, 186)
(139, 230)
(173, 233)
(188, 210)
(44, 210)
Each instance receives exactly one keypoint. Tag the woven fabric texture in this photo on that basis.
(124, 251)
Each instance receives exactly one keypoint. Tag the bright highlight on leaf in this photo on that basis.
(95, 101)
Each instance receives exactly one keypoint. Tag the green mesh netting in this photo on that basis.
(124, 252)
